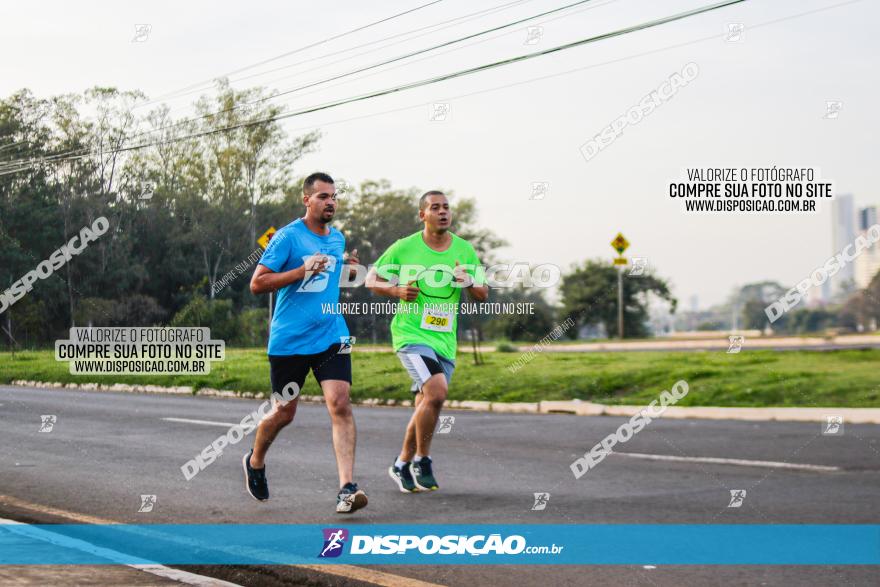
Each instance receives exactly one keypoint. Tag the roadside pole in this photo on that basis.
(620, 244)
(263, 241)
(620, 301)
(271, 309)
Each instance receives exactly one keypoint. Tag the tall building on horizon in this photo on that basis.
(867, 217)
(867, 264)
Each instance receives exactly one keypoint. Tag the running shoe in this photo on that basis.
(403, 477)
(255, 479)
(350, 499)
(423, 474)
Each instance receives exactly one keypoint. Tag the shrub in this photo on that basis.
(214, 314)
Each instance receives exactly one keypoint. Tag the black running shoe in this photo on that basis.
(255, 479)
(403, 477)
(423, 474)
(350, 499)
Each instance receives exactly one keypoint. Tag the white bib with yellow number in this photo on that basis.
(436, 320)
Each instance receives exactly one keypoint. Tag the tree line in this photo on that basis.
(186, 200)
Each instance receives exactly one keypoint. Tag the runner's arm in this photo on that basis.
(479, 293)
(383, 287)
(476, 292)
(265, 280)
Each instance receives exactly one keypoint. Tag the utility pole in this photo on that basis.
(263, 241)
(271, 309)
(620, 302)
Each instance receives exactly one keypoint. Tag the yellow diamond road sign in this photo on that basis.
(263, 241)
(620, 244)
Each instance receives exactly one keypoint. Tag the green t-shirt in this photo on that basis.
(432, 318)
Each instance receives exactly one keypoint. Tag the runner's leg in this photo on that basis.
(336, 395)
(409, 439)
(268, 429)
(428, 412)
(284, 371)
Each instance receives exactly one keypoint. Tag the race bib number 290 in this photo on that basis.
(436, 320)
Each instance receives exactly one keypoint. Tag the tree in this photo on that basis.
(805, 320)
(750, 301)
(518, 326)
(589, 296)
(185, 199)
(30, 218)
(861, 311)
(233, 171)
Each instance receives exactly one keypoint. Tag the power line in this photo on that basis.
(429, 81)
(339, 76)
(480, 42)
(201, 85)
(465, 17)
(578, 69)
(300, 49)
(363, 69)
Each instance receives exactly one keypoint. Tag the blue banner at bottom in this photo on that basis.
(528, 544)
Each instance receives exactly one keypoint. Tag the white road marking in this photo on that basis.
(722, 461)
(183, 576)
(147, 566)
(202, 422)
(362, 574)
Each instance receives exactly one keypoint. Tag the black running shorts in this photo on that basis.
(330, 364)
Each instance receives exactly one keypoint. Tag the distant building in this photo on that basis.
(867, 217)
(867, 264)
(814, 298)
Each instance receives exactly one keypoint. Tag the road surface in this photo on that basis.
(105, 450)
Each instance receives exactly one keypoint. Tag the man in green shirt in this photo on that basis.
(427, 272)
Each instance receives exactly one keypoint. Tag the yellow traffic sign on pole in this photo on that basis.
(263, 241)
(620, 243)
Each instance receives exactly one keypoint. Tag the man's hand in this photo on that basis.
(462, 278)
(408, 292)
(317, 263)
(352, 261)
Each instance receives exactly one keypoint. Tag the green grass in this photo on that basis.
(849, 378)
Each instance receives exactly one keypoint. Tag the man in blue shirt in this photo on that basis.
(304, 261)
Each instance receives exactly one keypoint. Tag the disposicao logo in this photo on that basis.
(315, 282)
(334, 541)
(443, 545)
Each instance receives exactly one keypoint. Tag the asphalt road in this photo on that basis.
(107, 449)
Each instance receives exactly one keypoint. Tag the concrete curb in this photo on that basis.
(576, 407)
(850, 415)
(514, 407)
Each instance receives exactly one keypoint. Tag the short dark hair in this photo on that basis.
(423, 200)
(309, 182)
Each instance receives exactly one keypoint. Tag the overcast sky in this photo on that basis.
(759, 101)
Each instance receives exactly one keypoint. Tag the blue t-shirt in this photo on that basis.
(302, 324)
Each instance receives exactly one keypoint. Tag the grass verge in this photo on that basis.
(848, 378)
